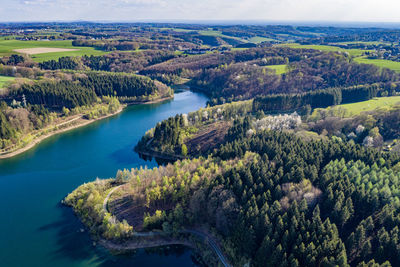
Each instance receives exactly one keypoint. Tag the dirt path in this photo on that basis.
(212, 243)
(105, 202)
(206, 237)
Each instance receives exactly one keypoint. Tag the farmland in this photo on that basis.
(370, 105)
(219, 34)
(259, 39)
(8, 47)
(383, 63)
(327, 48)
(356, 53)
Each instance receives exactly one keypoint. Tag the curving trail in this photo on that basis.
(211, 242)
(204, 236)
(105, 201)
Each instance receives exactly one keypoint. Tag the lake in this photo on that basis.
(36, 230)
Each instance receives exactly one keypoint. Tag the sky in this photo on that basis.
(201, 10)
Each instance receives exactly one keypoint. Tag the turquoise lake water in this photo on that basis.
(36, 230)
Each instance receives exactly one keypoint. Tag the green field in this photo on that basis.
(209, 32)
(358, 107)
(352, 52)
(7, 47)
(5, 80)
(280, 69)
(259, 39)
(365, 43)
(219, 34)
(176, 29)
(357, 53)
(393, 65)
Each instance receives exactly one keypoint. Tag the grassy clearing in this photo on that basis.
(357, 53)
(219, 34)
(379, 102)
(280, 69)
(239, 48)
(259, 39)
(365, 43)
(393, 65)
(7, 48)
(327, 48)
(5, 80)
(349, 110)
(176, 29)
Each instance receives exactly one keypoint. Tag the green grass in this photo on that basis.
(383, 63)
(373, 104)
(259, 39)
(280, 69)
(5, 80)
(239, 48)
(365, 43)
(176, 29)
(7, 47)
(209, 32)
(219, 34)
(357, 53)
(328, 48)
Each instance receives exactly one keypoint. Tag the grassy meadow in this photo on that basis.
(280, 69)
(327, 48)
(5, 80)
(7, 48)
(376, 103)
(356, 53)
(219, 34)
(353, 109)
(259, 39)
(383, 63)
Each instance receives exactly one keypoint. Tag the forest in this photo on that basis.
(86, 87)
(276, 170)
(276, 199)
(32, 106)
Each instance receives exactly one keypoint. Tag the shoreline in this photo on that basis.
(133, 245)
(38, 140)
(159, 155)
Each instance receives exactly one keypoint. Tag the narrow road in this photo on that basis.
(105, 202)
(211, 242)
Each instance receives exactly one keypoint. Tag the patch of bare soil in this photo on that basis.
(131, 207)
(43, 50)
(208, 137)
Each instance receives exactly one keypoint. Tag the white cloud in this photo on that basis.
(134, 10)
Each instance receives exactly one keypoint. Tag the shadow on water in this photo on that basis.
(124, 155)
(76, 245)
(160, 161)
(71, 241)
(154, 257)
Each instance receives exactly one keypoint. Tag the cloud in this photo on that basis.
(135, 10)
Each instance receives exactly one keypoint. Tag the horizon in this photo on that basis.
(222, 22)
(288, 11)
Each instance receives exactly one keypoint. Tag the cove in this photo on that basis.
(36, 230)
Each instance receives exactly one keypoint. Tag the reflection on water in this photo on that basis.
(36, 230)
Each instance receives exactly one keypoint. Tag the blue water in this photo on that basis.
(36, 230)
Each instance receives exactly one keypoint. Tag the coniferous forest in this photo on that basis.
(293, 159)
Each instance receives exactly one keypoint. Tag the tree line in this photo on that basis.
(276, 199)
(85, 88)
(324, 98)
